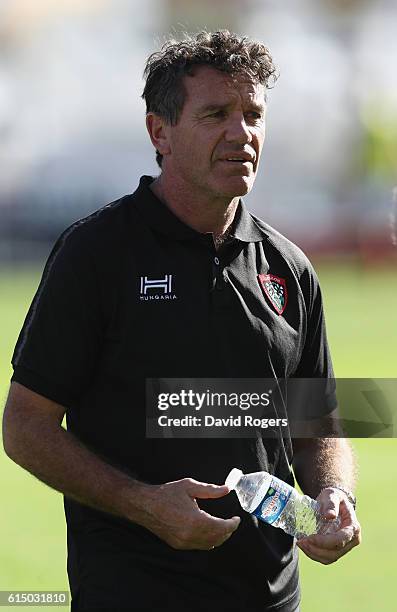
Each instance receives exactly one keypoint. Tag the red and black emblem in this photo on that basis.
(275, 289)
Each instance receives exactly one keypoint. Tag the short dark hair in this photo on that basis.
(164, 92)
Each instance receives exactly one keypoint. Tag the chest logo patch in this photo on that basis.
(156, 289)
(275, 289)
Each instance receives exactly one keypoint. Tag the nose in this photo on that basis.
(237, 129)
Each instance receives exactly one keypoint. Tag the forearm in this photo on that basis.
(57, 458)
(323, 462)
(169, 510)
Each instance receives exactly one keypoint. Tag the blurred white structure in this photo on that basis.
(72, 134)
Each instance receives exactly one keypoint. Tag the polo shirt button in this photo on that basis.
(216, 261)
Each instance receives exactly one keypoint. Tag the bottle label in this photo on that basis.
(274, 501)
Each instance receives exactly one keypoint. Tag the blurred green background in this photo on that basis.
(361, 307)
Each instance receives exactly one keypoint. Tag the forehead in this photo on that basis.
(209, 84)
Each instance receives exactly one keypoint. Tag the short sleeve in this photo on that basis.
(58, 345)
(315, 359)
(315, 372)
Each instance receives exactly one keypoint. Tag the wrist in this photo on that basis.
(137, 501)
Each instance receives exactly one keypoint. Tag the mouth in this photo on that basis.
(242, 159)
(238, 161)
(238, 165)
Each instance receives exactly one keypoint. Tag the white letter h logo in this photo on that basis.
(161, 283)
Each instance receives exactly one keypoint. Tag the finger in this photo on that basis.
(234, 522)
(306, 551)
(323, 555)
(223, 540)
(206, 491)
(219, 525)
(332, 544)
(229, 526)
(315, 556)
(206, 536)
(329, 507)
(224, 530)
(357, 534)
(305, 548)
(318, 554)
(333, 541)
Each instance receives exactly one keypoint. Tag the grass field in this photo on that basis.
(361, 308)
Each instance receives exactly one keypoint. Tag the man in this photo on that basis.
(145, 530)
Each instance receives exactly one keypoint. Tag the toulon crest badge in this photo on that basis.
(275, 289)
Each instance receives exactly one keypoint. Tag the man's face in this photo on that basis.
(216, 145)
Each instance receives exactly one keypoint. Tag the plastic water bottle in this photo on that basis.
(275, 502)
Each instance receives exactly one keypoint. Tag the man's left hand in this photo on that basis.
(329, 548)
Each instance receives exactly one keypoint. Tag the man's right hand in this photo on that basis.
(174, 515)
(34, 438)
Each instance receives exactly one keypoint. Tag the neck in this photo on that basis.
(205, 215)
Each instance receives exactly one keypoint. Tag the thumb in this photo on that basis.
(202, 490)
(330, 505)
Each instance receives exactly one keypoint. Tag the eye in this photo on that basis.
(218, 114)
(254, 116)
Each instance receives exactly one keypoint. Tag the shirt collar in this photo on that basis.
(161, 218)
(244, 227)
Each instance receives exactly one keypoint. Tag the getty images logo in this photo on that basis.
(157, 289)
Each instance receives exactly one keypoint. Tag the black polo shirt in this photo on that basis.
(129, 293)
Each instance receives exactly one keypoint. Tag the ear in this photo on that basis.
(159, 133)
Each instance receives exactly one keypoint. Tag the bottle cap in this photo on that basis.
(233, 478)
